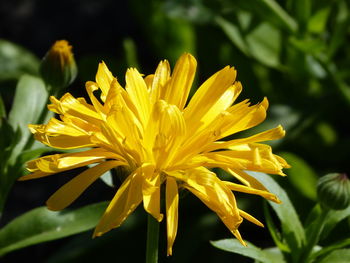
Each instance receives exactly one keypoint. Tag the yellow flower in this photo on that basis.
(152, 130)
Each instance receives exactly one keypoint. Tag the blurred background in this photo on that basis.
(294, 52)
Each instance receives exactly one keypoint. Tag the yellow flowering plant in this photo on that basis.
(154, 132)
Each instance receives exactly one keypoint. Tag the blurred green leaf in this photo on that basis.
(301, 175)
(280, 14)
(337, 245)
(2, 109)
(29, 102)
(292, 229)
(171, 36)
(130, 53)
(308, 45)
(327, 133)
(16, 61)
(192, 10)
(337, 256)
(264, 43)
(270, 11)
(333, 219)
(302, 10)
(233, 33)
(318, 21)
(275, 254)
(40, 225)
(251, 251)
(340, 28)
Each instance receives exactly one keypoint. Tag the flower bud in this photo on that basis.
(333, 191)
(58, 68)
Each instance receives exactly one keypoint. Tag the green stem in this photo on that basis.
(152, 240)
(315, 235)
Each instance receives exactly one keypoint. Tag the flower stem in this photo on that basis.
(152, 240)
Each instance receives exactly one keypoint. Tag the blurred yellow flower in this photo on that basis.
(152, 130)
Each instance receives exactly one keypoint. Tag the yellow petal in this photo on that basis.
(208, 94)
(127, 198)
(90, 88)
(64, 141)
(137, 90)
(272, 134)
(103, 78)
(171, 206)
(246, 179)
(250, 190)
(34, 175)
(160, 79)
(148, 80)
(151, 191)
(214, 194)
(89, 156)
(64, 196)
(179, 86)
(61, 162)
(257, 157)
(250, 218)
(241, 117)
(75, 107)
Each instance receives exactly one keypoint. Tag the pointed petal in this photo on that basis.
(250, 218)
(151, 191)
(75, 107)
(250, 190)
(160, 79)
(103, 79)
(127, 198)
(137, 90)
(69, 192)
(208, 94)
(241, 117)
(214, 194)
(171, 206)
(179, 86)
(272, 134)
(90, 88)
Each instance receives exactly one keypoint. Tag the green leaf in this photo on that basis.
(251, 251)
(41, 225)
(264, 43)
(16, 61)
(301, 175)
(275, 254)
(275, 234)
(29, 102)
(275, 10)
(338, 245)
(270, 11)
(292, 229)
(318, 21)
(313, 46)
(333, 219)
(233, 33)
(337, 256)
